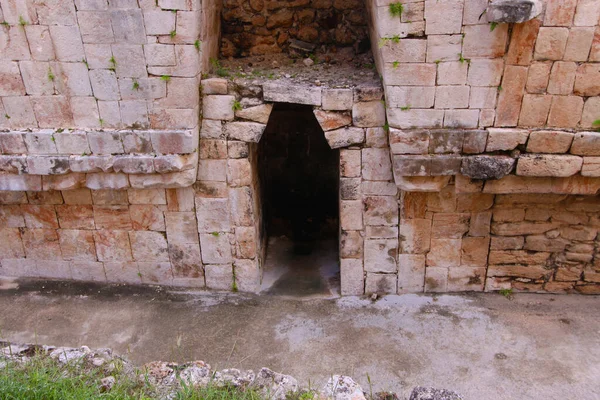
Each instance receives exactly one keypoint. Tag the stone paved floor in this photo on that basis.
(483, 346)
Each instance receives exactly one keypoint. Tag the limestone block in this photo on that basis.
(376, 164)
(443, 48)
(12, 143)
(77, 245)
(411, 273)
(53, 165)
(95, 27)
(474, 252)
(97, 181)
(40, 216)
(565, 111)
(450, 225)
(551, 43)
(212, 214)
(241, 206)
(159, 55)
(368, 114)
(591, 166)
(13, 164)
(466, 279)
(277, 92)
(350, 163)
(444, 253)
(587, 13)
(237, 149)
(104, 84)
(239, 172)
(380, 210)
(130, 61)
(409, 141)
(40, 142)
(154, 272)
(485, 72)
(586, 80)
(258, 113)
(367, 93)
(452, 73)
(377, 137)
(148, 246)
(480, 224)
(52, 111)
(67, 43)
(409, 165)
(443, 17)
(381, 283)
(405, 51)
(415, 118)
(352, 277)
(332, 120)
(35, 78)
(452, 96)
(436, 279)
(579, 43)
(591, 110)
(549, 142)
(420, 183)
(187, 63)
(20, 111)
(415, 236)
(522, 42)
(409, 74)
(112, 245)
(247, 275)
(158, 22)
(461, 119)
(175, 163)
(410, 96)
(483, 42)
(350, 188)
(175, 142)
(511, 95)
(128, 26)
(245, 131)
(215, 248)
(212, 130)
(212, 170)
(11, 245)
(380, 255)
(511, 11)
(381, 232)
(90, 163)
(487, 118)
(246, 244)
(560, 13)
(351, 244)
(105, 142)
(549, 165)
(345, 137)
(586, 144)
(538, 77)
(214, 86)
(147, 217)
(336, 100)
(40, 42)
(218, 107)
(181, 227)
(505, 139)
(474, 142)
(169, 180)
(122, 272)
(351, 215)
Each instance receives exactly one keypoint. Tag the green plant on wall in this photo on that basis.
(596, 123)
(396, 9)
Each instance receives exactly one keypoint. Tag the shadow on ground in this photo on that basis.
(483, 346)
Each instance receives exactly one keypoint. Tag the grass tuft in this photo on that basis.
(396, 9)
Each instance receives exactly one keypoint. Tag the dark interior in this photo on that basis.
(299, 178)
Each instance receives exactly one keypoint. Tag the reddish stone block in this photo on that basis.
(520, 50)
(560, 12)
(39, 216)
(112, 217)
(11, 245)
(77, 245)
(147, 217)
(509, 101)
(41, 244)
(149, 246)
(112, 245)
(75, 216)
(156, 272)
(11, 216)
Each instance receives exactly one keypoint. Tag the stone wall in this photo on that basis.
(257, 27)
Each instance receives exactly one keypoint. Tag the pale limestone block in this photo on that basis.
(351, 215)
(350, 163)
(130, 61)
(72, 79)
(368, 114)
(175, 163)
(452, 96)
(143, 88)
(239, 172)
(380, 210)
(159, 22)
(12, 82)
(181, 227)
(95, 27)
(551, 43)
(352, 277)
(98, 55)
(381, 283)
(411, 273)
(187, 63)
(170, 180)
(587, 13)
(241, 206)
(52, 111)
(452, 73)
(549, 142)
(219, 277)
(122, 272)
(436, 279)
(410, 74)
(415, 118)
(481, 41)
(405, 51)
(37, 77)
(128, 26)
(214, 86)
(212, 170)
(345, 137)
(40, 142)
(213, 215)
(218, 107)
(591, 166)
(505, 139)
(245, 131)
(483, 97)
(247, 275)
(13, 43)
(134, 114)
(215, 248)
(376, 164)
(67, 43)
(71, 142)
(591, 110)
(112, 245)
(40, 42)
(410, 96)
(443, 17)
(466, 279)
(105, 142)
(160, 55)
(443, 48)
(99, 181)
(186, 262)
(153, 272)
(175, 142)
(565, 111)
(148, 246)
(336, 100)
(104, 84)
(91, 4)
(579, 43)
(485, 72)
(277, 92)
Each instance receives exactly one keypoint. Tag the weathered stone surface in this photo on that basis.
(345, 137)
(549, 165)
(245, 131)
(586, 144)
(513, 11)
(380, 255)
(340, 387)
(487, 167)
(505, 139)
(274, 385)
(376, 165)
(422, 393)
(213, 85)
(549, 142)
(352, 277)
(337, 99)
(259, 113)
(332, 120)
(218, 107)
(368, 114)
(409, 141)
(381, 283)
(591, 166)
(292, 94)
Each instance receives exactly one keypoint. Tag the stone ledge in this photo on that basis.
(105, 142)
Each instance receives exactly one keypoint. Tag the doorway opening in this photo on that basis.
(299, 178)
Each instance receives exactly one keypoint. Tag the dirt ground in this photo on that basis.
(483, 346)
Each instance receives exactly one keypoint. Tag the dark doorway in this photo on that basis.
(299, 182)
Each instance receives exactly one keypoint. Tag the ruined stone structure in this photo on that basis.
(472, 164)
